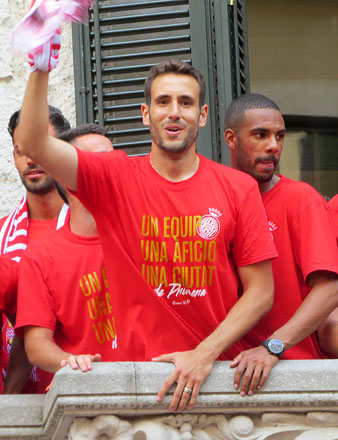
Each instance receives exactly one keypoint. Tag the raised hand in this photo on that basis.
(47, 56)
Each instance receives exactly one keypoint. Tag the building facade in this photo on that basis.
(286, 49)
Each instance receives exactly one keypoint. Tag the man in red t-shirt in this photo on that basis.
(64, 306)
(179, 232)
(38, 214)
(305, 272)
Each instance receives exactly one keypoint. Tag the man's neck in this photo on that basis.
(81, 221)
(175, 167)
(266, 186)
(44, 206)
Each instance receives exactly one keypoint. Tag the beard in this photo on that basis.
(172, 146)
(40, 185)
(244, 164)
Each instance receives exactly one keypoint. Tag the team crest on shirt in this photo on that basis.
(210, 226)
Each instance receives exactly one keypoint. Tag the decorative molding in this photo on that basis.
(311, 426)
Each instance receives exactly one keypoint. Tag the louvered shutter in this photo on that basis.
(230, 64)
(239, 47)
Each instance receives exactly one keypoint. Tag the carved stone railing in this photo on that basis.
(117, 401)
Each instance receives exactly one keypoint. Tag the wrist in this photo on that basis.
(274, 346)
(284, 336)
(209, 351)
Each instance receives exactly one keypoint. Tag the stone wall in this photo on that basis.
(117, 401)
(13, 77)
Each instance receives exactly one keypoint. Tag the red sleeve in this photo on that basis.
(96, 172)
(8, 284)
(253, 241)
(314, 239)
(35, 300)
(92, 177)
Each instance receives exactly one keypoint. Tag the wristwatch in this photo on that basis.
(274, 346)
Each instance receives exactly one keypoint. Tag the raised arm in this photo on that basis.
(193, 367)
(57, 157)
(38, 35)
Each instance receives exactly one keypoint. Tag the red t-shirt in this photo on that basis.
(171, 248)
(63, 287)
(38, 229)
(300, 223)
(333, 203)
(8, 288)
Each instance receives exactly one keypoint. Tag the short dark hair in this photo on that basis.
(56, 118)
(82, 130)
(69, 136)
(178, 68)
(235, 113)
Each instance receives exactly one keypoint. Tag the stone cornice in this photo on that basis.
(303, 389)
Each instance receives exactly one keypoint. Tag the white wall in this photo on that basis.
(13, 76)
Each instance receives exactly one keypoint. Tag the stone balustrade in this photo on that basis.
(117, 401)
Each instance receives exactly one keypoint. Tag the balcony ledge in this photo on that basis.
(117, 401)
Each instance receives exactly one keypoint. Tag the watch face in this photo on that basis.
(275, 346)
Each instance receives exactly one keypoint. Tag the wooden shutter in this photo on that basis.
(239, 47)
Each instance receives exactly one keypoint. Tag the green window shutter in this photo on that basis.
(230, 66)
(239, 47)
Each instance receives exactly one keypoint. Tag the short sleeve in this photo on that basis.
(96, 178)
(35, 300)
(314, 239)
(253, 240)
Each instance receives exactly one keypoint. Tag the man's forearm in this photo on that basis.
(46, 355)
(255, 302)
(32, 131)
(254, 365)
(319, 303)
(57, 157)
(194, 366)
(243, 316)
